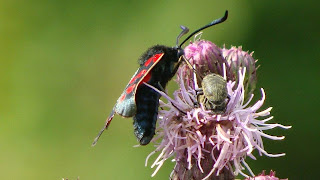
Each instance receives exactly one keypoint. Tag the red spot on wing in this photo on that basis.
(147, 77)
(157, 57)
(122, 97)
(133, 79)
(130, 88)
(148, 61)
(141, 73)
(154, 59)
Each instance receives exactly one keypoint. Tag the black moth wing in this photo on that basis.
(165, 69)
(126, 104)
(147, 99)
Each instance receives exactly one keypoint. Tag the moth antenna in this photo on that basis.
(184, 31)
(217, 21)
(104, 128)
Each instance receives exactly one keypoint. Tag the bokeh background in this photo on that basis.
(63, 65)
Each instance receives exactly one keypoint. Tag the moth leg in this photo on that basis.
(108, 121)
(191, 67)
(177, 65)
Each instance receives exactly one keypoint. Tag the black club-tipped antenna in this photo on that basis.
(217, 21)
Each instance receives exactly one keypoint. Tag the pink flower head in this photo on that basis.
(206, 57)
(205, 144)
(238, 59)
(263, 176)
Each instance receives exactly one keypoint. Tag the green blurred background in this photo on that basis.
(63, 65)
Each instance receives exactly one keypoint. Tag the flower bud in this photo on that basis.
(264, 176)
(238, 60)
